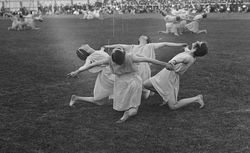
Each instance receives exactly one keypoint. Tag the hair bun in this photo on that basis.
(82, 54)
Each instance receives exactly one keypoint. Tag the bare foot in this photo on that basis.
(120, 121)
(72, 100)
(162, 32)
(152, 93)
(163, 103)
(123, 118)
(200, 101)
(146, 94)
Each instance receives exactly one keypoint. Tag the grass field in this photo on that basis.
(34, 92)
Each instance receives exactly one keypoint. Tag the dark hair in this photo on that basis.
(118, 55)
(148, 40)
(82, 54)
(204, 15)
(162, 13)
(201, 50)
(178, 18)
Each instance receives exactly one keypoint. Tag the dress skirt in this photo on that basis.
(193, 26)
(104, 84)
(166, 84)
(127, 91)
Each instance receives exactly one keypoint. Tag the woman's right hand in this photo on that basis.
(169, 66)
(73, 74)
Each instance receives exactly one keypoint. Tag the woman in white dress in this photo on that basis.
(171, 22)
(194, 25)
(29, 21)
(104, 83)
(147, 49)
(166, 82)
(127, 84)
(17, 23)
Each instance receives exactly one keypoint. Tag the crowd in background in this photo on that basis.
(142, 6)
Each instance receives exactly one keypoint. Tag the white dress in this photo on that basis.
(170, 26)
(167, 82)
(194, 25)
(90, 15)
(181, 26)
(104, 83)
(127, 85)
(144, 67)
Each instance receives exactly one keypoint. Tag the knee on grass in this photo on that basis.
(132, 111)
(172, 105)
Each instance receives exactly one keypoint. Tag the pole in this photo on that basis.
(113, 23)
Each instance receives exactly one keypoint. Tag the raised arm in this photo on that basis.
(138, 59)
(170, 44)
(88, 66)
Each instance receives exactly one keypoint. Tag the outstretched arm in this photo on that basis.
(8, 14)
(188, 18)
(11, 16)
(117, 45)
(170, 44)
(88, 66)
(138, 59)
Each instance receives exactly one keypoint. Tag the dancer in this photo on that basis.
(176, 22)
(147, 49)
(193, 26)
(127, 84)
(166, 82)
(95, 14)
(20, 22)
(104, 83)
(29, 21)
(171, 21)
(17, 23)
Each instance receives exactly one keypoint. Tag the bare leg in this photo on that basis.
(175, 31)
(186, 101)
(145, 93)
(35, 28)
(202, 31)
(163, 32)
(127, 114)
(75, 98)
(176, 34)
(148, 85)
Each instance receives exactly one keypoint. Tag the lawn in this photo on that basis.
(34, 92)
